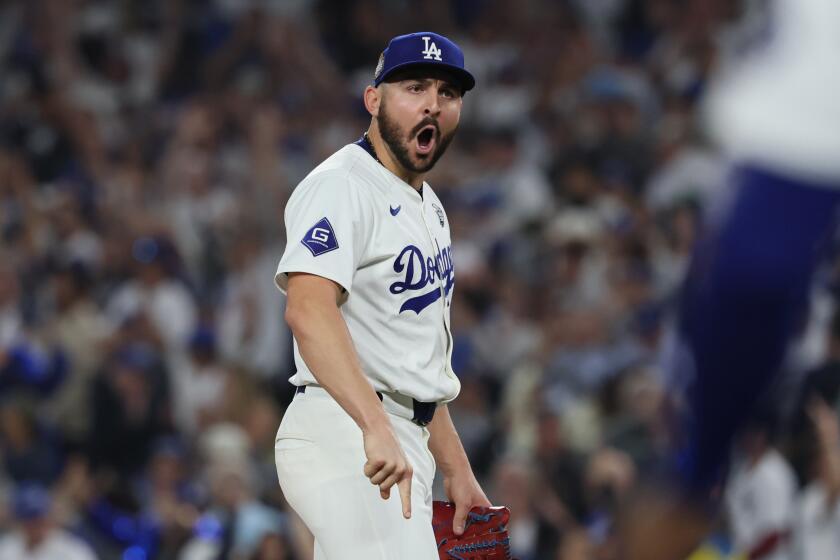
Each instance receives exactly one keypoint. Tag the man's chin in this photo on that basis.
(415, 161)
(425, 163)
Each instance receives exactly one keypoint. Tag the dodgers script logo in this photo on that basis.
(419, 272)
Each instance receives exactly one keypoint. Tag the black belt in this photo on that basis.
(424, 412)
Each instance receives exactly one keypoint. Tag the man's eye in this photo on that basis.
(448, 93)
(415, 88)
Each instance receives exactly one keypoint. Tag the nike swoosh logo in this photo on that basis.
(395, 211)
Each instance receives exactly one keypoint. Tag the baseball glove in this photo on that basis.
(485, 535)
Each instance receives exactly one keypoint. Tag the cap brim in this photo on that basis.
(463, 78)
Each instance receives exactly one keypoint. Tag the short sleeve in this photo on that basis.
(324, 231)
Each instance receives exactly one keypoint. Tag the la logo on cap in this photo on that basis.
(431, 51)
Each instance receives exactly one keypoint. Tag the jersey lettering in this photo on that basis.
(419, 272)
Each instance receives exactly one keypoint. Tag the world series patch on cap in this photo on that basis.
(423, 49)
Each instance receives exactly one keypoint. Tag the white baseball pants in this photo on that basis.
(320, 459)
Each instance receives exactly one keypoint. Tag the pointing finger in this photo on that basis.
(405, 494)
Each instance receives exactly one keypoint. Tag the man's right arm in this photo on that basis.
(325, 345)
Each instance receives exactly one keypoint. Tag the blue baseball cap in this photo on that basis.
(423, 49)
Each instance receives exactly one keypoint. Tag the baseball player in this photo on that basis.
(369, 276)
(778, 115)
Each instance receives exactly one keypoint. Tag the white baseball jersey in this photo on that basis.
(389, 247)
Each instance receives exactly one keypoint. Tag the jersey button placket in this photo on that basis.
(435, 251)
(441, 287)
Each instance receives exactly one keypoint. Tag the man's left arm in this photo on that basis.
(462, 488)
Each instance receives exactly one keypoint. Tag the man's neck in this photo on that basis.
(389, 161)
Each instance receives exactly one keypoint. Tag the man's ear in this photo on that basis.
(372, 98)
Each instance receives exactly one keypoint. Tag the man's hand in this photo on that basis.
(463, 490)
(387, 465)
(484, 538)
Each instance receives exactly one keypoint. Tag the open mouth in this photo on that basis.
(426, 139)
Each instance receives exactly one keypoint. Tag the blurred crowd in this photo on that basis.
(147, 149)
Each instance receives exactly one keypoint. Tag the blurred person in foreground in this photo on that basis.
(814, 447)
(760, 492)
(37, 537)
(778, 116)
(817, 526)
(368, 274)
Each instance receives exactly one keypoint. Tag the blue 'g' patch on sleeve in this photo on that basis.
(320, 238)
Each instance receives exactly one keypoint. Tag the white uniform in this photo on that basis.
(356, 223)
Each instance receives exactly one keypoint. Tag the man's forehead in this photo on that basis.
(425, 73)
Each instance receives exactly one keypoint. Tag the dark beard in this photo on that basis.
(390, 132)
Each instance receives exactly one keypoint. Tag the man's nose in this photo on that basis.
(432, 104)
